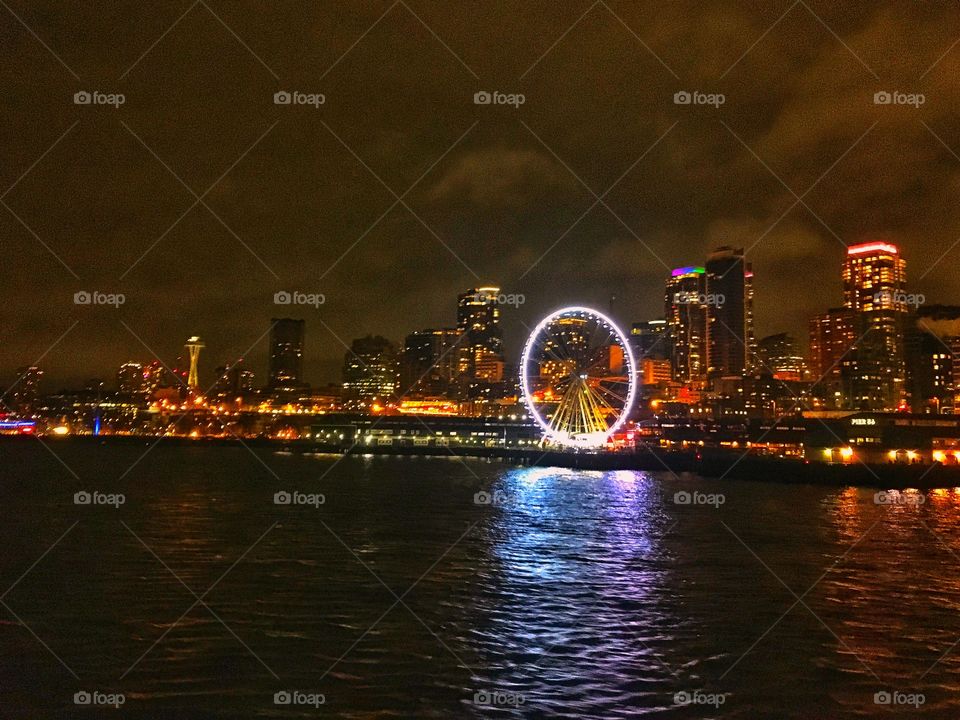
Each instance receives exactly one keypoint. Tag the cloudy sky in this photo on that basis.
(199, 198)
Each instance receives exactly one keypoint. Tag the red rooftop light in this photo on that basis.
(873, 247)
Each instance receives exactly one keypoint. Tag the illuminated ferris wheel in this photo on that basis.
(578, 377)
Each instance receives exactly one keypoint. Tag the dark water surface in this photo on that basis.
(575, 594)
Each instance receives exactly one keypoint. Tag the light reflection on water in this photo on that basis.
(585, 594)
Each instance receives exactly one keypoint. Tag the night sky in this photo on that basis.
(399, 192)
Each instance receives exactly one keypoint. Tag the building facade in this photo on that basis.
(832, 337)
(430, 362)
(686, 320)
(731, 344)
(874, 290)
(286, 354)
(370, 372)
(481, 351)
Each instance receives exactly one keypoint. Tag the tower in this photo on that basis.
(874, 282)
(478, 316)
(193, 346)
(370, 372)
(428, 364)
(286, 354)
(730, 341)
(686, 313)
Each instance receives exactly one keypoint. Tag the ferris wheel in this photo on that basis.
(578, 377)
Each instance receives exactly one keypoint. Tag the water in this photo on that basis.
(575, 594)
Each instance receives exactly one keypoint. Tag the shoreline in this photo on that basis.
(710, 464)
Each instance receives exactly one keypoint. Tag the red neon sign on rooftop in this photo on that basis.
(873, 247)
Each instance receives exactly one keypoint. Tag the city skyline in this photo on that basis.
(260, 359)
(790, 171)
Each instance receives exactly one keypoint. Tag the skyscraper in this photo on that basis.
(780, 356)
(651, 339)
(731, 345)
(832, 336)
(874, 284)
(429, 362)
(686, 315)
(478, 315)
(26, 389)
(370, 372)
(931, 347)
(232, 379)
(286, 354)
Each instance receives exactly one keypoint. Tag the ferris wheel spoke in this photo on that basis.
(612, 393)
(601, 400)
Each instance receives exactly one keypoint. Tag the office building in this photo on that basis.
(429, 361)
(25, 391)
(874, 289)
(478, 317)
(779, 355)
(651, 339)
(686, 320)
(931, 346)
(832, 337)
(731, 345)
(286, 354)
(370, 372)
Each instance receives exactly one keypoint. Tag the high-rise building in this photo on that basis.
(370, 372)
(874, 278)
(429, 362)
(286, 354)
(779, 355)
(131, 379)
(832, 337)
(26, 389)
(686, 319)
(651, 339)
(478, 316)
(731, 345)
(656, 371)
(233, 379)
(874, 289)
(931, 347)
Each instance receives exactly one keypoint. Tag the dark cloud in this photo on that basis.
(306, 198)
